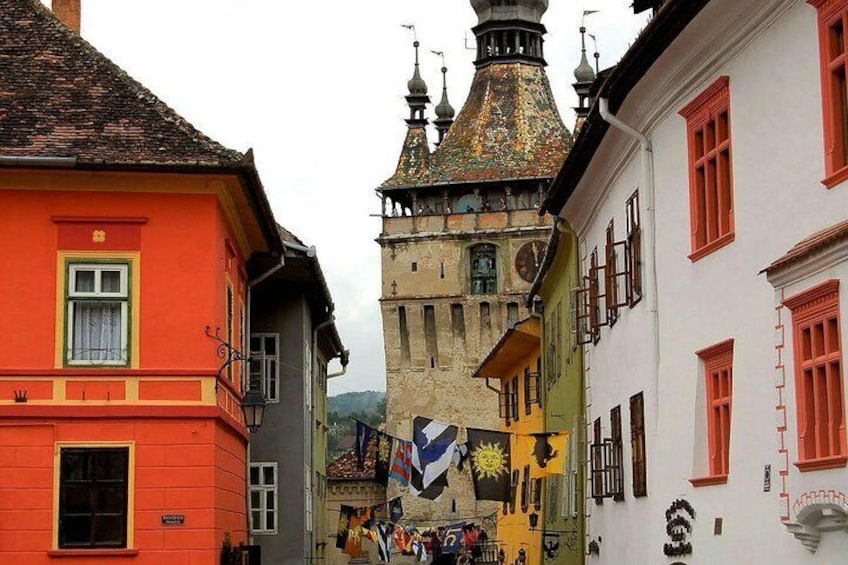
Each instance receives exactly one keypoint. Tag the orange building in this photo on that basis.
(125, 234)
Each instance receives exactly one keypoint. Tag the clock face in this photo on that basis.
(529, 259)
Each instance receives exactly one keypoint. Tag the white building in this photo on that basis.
(731, 150)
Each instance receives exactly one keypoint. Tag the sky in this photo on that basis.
(316, 89)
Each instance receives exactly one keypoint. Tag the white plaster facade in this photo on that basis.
(769, 49)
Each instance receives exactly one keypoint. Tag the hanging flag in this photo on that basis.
(384, 456)
(353, 546)
(363, 434)
(402, 462)
(344, 526)
(555, 453)
(395, 510)
(490, 464)
(460, 455)
(419, 550)
(453, 538)
(433, 444)
(384, 542)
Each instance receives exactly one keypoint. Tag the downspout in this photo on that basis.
(650, 241)
(330, 320)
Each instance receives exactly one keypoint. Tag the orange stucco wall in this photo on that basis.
(188, 445)
(177, 470)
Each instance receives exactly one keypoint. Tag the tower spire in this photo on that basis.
(417, 98)
(444, 110)
(585, 76)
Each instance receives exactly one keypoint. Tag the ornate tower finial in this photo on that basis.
(444, 111)
(584, 75)
(417, 98)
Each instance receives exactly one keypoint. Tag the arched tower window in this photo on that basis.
(484, 273)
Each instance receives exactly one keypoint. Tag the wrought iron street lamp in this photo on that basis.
(253, 407)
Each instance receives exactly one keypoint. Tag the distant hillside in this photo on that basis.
(349, 402)
(367, 406)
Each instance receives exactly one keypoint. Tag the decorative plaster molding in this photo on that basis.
(818, 512)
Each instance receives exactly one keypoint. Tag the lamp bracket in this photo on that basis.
(225, 351)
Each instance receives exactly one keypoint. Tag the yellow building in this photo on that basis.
(513, 370)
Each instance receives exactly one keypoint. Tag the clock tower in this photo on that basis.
(462, 238)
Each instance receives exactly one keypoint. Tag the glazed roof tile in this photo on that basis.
(60, 97)
(508, 128)
(810, 245)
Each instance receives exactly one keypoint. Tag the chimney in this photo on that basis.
(68, 12)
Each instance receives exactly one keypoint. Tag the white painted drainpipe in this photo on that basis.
(651, 232)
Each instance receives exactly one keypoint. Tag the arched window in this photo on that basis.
(484, 273)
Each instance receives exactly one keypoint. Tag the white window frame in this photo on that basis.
(308, 377)
(75, 296)
(263, 489)
(270, 390)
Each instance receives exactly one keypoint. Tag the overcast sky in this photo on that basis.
(316, 88)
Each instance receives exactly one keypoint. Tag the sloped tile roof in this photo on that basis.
(810, 245)
(345, 466)
(508, 128)
(60, 97)
(414, 163)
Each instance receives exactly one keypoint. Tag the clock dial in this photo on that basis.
(528, 260)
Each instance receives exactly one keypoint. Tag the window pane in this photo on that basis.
(110, 465)
(269, 521)
(97, 329)
(254, 476)
(270, 346)
(255, 499)
(256, 520)
(75, 465)
(110, 281)
(77, 500)
(269, 500)
(255, 344)
(109, 530)
(84, 281)
(267, 475)
(837, 39)
(110, 500)
(76, 530)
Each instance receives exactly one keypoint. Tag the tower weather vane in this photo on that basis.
(412, 28)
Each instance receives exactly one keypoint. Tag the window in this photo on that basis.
(514, 401)
(484, 275)
(265, 364)
(525, 489)
(616, 456)
(612, 274)
(598, 476)
(633, 250)
(819, 386)
(307, 494)
(536, 487)
(637, 445)
(513, 491)
(98, 311)
(595, 297)
(718, 372)
(505, 401)
(532, 389)
(230, 327)
(93, 492)
(307, 374)
(833, 21)
(710, 178)
(263, 498)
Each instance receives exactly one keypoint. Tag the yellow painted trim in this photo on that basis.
(57, 449)
(134, 260)
(207, 392)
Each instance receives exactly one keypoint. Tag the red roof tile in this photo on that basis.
(810, 245)
(60, 97)
(345, 466)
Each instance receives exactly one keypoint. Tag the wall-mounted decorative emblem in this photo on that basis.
(98, 236)
(678, 527)
(767, 478)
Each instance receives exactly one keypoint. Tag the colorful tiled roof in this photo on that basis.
(414, 162)
(810, 245)
(60, 97)
(508, 128)
(346, 468)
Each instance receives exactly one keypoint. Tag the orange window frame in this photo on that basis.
(833, 57)
(819, 382)
(710, 169)
(718, 375)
